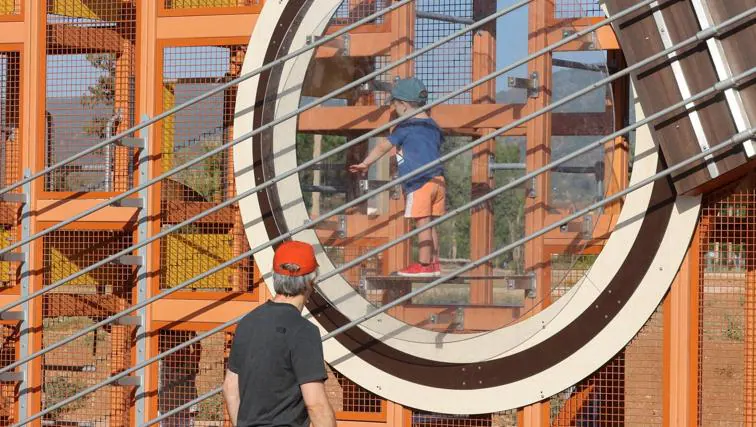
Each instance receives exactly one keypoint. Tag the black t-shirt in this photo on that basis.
(275, 350)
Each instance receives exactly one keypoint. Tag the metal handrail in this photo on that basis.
(718, 87)
(737, 138)
(199, 98)
(336, 150)
(264, 127)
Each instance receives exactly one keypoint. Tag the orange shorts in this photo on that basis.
(428, 200)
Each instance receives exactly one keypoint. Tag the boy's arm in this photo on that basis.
(380, 149)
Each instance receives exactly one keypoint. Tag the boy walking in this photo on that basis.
(418, 142)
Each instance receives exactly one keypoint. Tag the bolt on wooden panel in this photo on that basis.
(189, 72)
(90, 92)
(726, 306)
(78, 304)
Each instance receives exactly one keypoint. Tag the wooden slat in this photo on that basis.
(700, 75)
(657, 87)
(738, 46)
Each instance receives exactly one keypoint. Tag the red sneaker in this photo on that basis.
(419, 270)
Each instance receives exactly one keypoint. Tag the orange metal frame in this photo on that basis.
(200, 11)
(18, 17)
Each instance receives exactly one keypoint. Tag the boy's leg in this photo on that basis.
(426, 242)
(435, 257)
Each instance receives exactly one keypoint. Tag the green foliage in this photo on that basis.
(101, 93)
(60, 388)
(454, 234)
(305, 143)
(734, 328)
(509, 207)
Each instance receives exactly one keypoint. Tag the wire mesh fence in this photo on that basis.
(448, 67)
(351, 11)
(726, 354)
(627, 390)
(350, 401)
(80, 303)
(202, 4)
(429, 419)
(190, 372)
(10, 155)
(90, 93)
(9, 335)
(10, 7)
(564, 9)
(190, 71)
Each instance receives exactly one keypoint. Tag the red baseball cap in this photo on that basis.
(294, 258)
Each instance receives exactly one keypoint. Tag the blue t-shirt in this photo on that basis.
(418, 142)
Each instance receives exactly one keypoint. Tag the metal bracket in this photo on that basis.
(130, 381)
(11, 377)
(129, 260)
(532, 85)
(13, 257)
(342, 43)
(531, 293)
(129, 203)
(342, 226)
(131, 142)
(13, 315)
(129, 321)
(14, 197)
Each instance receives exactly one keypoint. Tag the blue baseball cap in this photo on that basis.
(410, 90)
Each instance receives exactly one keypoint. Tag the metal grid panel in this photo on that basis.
(567, 269)
(627, 390)
(348, 399)
(90, 92)
(449, 66)
(351, 11)
(76, 305)
(10, 7)
(190, 372)
(10, 158)
(373, 266)
(189, 72)
(577, 9)
(9, 335)
(726, 306)
(200, 4)
(497, 419)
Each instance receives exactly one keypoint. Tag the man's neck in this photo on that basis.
(297, 301)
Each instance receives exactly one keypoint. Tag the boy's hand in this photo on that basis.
(360, 168)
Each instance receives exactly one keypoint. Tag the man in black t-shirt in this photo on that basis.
(276, 371)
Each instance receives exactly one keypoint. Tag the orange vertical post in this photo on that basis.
(680, 380)
(748, 230)
(403, 30)
(538, 153)
(616, 152)
(124, 65)
(148, 85)
(481, 217)
(33, 131)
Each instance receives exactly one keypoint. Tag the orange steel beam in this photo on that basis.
(149, 83)
(749, 369)
(58, 210)
(208, 11)
(481, 217)
(13, 32)
(33, 153)
(478, 119)
(538, 153)
(64, 39)
(680, 379)
(192, 27)
(601, 39)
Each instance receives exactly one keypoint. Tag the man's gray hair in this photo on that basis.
(293, 285)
